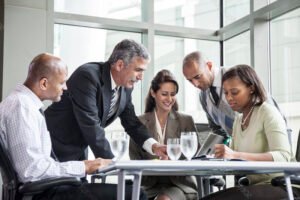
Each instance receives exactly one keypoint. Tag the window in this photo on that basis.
(189, 13)
(235, 9)
(285, 66)
(116, 9)
(237, 50)
(168, 45)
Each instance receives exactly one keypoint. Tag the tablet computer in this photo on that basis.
(207, 147)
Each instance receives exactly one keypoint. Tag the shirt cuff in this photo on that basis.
(148, 145)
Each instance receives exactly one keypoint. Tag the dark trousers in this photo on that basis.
(253, 192)
(93, 191)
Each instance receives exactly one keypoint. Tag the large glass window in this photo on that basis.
(235, 9)
(116, 9)
(237, 50)
(189, 13)
(169, 53)
(77, 45)
(285, 65)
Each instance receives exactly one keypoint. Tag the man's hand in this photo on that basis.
(92, 165)
(160, 150)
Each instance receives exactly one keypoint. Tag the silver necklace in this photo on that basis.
(245, 119)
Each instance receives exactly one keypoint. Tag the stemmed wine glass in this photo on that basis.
(173, 148)
(119, 144)
(188, 144)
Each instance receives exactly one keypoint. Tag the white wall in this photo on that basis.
(24, 37)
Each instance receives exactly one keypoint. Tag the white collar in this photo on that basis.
(113, 83)
(37, 101)
(217, 77)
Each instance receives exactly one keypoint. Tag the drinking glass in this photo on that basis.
(188, 144)
(173, 148)
(119, 143)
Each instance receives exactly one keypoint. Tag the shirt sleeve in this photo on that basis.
(148, 145)
(29, 143)
(276, 133)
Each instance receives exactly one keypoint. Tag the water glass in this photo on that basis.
(173, 148)
(188, 144)
(119, 143)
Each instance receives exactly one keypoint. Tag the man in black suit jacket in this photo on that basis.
(79, 119)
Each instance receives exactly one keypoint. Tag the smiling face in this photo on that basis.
(238, 94)
(200, 77)
(133, 72)
(165, 97)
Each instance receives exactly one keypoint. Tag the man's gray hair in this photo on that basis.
(195, 56)
(126, 50)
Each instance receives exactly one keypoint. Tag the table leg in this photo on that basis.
(200, 186)
(136, 185)
(121, 185)
(206, 186)
(289, 187)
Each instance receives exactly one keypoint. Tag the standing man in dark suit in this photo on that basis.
(97, 94)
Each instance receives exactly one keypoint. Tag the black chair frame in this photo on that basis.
(13, 189)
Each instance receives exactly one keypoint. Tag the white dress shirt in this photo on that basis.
(24, 133)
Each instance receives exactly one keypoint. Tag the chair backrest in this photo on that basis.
(202, 127)
(9, 177)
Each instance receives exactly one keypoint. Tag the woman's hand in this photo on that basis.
(223, 151)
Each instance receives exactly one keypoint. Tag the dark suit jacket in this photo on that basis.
(177, 122)
(79, 119)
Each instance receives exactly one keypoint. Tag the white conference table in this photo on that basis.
(137, 168)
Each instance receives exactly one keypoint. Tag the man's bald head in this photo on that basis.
(47, 76)
(44, 65)
(198, 70)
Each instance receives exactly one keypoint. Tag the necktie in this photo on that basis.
(113, 102)
(52, 152)
(214, 94)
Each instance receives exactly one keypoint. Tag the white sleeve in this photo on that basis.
(29, 145)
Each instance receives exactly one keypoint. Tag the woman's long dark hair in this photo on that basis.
(249, 77)
(163, 76)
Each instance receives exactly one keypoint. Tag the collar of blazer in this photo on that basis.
(173, 125)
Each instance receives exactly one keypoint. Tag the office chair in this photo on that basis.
(13, 189)
(295, 179)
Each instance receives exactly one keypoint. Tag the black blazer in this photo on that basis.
(79, 119)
